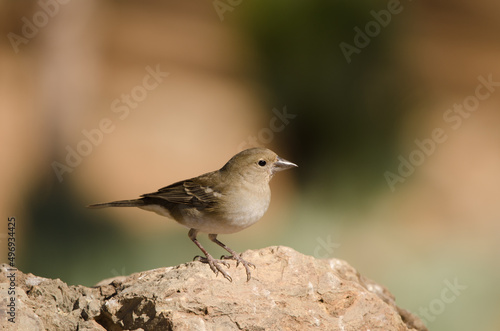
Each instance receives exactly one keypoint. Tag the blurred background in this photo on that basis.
(104, 101)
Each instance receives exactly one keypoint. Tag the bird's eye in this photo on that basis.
(262, 163)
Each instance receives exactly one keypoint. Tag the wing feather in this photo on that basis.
(195, 192)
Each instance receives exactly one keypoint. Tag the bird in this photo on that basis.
(224, 201)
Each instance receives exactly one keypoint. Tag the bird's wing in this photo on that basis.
(195, 192)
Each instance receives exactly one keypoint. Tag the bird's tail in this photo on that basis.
(121, 203)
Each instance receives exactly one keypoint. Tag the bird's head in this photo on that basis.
(257, 164)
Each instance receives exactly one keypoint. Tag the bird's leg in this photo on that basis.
(213, 263)
(234, 256)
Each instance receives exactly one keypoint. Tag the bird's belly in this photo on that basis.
(228, 221)
(234, 218)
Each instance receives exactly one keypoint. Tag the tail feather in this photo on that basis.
(121, 203)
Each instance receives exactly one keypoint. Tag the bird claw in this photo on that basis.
(239, 259)
(214, 264)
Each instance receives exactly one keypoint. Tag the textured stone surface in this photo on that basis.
(288, 291)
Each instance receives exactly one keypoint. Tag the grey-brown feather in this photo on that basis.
(195, 192)
(120, 203)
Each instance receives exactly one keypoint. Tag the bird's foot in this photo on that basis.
(215, 265)
(239, 259)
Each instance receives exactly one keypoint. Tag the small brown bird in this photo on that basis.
(224, 201)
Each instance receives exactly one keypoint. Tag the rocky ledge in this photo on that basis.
(288, 291)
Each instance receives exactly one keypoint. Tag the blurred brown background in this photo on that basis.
(225, 70)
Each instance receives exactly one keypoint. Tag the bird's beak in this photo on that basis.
(282, 164)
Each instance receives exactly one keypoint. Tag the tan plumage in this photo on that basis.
(224, 201)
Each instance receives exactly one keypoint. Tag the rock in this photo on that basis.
(288, 291)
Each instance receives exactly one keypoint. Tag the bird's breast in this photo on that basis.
(245, 210)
